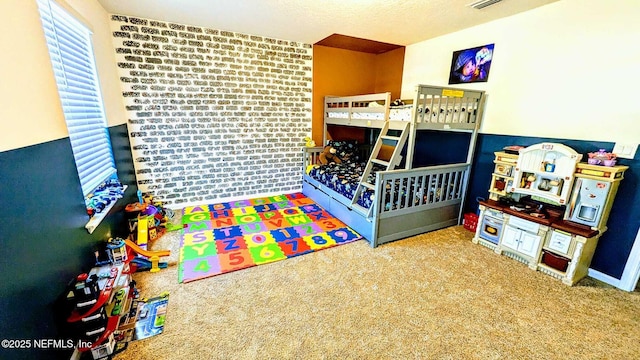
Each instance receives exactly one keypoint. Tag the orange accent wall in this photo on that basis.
(343, 72)
(389, 67)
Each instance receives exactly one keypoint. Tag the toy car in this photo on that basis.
(118, 302)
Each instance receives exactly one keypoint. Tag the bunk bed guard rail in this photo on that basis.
(414, 201)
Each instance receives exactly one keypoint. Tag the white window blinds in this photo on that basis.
(73, 63)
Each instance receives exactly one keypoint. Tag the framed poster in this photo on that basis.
(471, 65)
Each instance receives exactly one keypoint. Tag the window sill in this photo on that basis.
(97, 218)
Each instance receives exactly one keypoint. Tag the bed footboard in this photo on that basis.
(418, 200)
(310, 156)
(407, 201)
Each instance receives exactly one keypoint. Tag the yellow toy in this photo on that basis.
(309, 142)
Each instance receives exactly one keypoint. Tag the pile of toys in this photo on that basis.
(105, 305)
(148, 219)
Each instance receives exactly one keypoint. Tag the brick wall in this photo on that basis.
(212, 114)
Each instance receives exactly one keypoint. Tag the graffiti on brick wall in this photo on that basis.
(212, 114)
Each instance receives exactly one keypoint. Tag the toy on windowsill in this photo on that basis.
(108, 192)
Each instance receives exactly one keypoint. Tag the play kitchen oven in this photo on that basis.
(491, 225)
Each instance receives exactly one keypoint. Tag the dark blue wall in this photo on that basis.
(615, 244)
(44, 245)
(437, 147)
(43, 241)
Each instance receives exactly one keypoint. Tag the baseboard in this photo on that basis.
(631, 273)
(607, 279)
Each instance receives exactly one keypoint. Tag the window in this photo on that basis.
(71, 53)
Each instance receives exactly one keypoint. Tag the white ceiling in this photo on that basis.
(401, 22)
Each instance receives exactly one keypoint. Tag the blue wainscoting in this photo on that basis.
(43, 242)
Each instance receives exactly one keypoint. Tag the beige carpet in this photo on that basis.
(432, 296)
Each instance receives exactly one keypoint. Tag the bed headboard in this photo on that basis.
(442, 108)
(434, 107)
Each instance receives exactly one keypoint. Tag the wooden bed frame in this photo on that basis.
(432, 196)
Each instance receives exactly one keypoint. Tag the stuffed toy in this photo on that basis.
(328, 155)
(397, 102)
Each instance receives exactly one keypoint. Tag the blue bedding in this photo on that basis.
(343, 178)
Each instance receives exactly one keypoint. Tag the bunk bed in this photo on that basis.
(380, 195)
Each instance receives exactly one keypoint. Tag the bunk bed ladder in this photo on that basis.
(387, 142)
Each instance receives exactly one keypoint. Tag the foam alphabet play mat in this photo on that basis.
(225, 237)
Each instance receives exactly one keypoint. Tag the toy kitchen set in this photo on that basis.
(547, 209)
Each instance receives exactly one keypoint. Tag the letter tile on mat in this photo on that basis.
(189, 239)
(276, 223)
(259, 239)
(230, 244)
(283, 234)
(196, 217)
(198, 226)
(191, 252)
(343, 235)
(308, 229)
(195, 209)
(223, 237)
(266, 253)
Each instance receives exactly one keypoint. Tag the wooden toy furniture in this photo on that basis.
(544, 238)
(555, 247)
(567, 252)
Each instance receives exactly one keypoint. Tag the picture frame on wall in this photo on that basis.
(471, 65)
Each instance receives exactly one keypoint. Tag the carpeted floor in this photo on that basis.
(432, 296)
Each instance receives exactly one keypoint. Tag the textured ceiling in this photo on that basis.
(401, 22)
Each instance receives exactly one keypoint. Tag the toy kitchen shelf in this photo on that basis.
(545, 170)
(502, 176)
(547, 210)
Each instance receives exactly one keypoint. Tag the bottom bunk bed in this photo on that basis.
(402, 202)
(365, 192)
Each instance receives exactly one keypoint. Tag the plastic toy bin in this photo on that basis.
(555, 261)
(470, 221)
